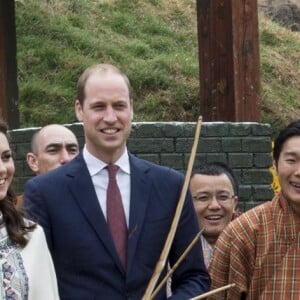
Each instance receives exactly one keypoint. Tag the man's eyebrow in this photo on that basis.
(53, 145)
(71, 145)
(8, 151)
(289, 153)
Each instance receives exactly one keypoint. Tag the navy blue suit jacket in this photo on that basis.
(65, 204)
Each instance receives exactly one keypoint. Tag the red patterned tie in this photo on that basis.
(115, 214)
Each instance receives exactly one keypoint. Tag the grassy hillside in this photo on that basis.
(154, 41)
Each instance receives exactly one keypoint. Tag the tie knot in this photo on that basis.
(112, 171)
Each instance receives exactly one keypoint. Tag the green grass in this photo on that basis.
(280, 74)
(154, 42)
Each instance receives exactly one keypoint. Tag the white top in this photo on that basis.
(39, 268)
(99, 175)
(26, 273)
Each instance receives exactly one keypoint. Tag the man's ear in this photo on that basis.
(32, 162)
(78, 110)
(236, 201)
(275, 167)
(131, 109)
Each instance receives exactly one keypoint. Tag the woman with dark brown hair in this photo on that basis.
(26, 269)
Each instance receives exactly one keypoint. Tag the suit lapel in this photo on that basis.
(83, 191)
(140, 193)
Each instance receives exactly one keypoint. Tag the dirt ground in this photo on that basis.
(284, 12)
(277, 2)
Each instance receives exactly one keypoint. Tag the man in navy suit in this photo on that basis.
(70, 204)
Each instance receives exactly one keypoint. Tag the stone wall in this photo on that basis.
(246, 147)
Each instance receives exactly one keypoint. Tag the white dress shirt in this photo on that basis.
(99, 175)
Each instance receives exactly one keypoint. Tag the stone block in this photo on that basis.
(240, 160)
(256, 144)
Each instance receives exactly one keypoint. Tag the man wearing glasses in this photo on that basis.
(214, 189)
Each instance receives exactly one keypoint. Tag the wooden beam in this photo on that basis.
(9, 110)
(229, 60)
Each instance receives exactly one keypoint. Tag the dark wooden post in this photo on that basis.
(9, 110)
(229, 60)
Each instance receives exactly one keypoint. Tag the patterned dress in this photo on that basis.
(13, 275)
(26, 273)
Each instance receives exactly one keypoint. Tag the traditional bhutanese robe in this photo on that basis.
(207, 248)
(260, 253)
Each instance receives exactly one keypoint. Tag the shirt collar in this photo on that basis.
(95, 165)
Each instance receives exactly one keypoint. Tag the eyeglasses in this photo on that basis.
(207, 198)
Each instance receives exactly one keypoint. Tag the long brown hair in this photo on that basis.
(13, 218)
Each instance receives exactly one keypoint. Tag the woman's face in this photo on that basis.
(7, 167)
